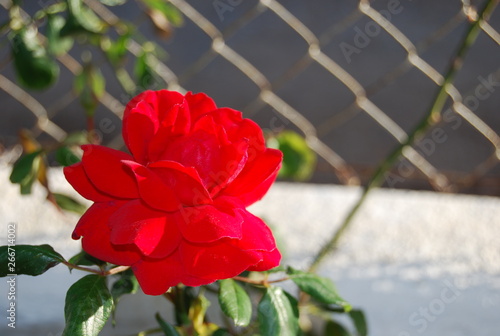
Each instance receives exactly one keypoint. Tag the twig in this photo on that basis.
(432, 117)
(111, 271)
(264, 282)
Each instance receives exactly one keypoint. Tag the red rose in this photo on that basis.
(174, 210)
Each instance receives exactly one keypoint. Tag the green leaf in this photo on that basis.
(88, 306)
(276, 315)
(143, 71)
(57, 45)
(359, 320)
(332, 328)
(34, 68)
(69, 204)
(66, 157)
(221, 332)
(81, 19)
(113, 2)
(126, 284)
(24, 167)
(28, 259)
(26, 171)
(321, 289)
(168, 329)
(299, 161)
(171, 13)
(90, 85)
(85, 259)
(234, 302)
(116, 50)
(76, 138)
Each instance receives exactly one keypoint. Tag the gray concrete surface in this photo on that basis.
(418, 263)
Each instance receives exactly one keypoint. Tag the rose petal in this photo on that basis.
(185, 182)
(199, 104)
(76, 176)
(256, 235)
(96, 235)
(216, 163)
(107, 173)
(238, 128)
(157, 276)
(177, 122)
(152, 188)
(209, 223)
(153, 232)
(139, 127)
(269, 260)
(256, 178)
(216, 261)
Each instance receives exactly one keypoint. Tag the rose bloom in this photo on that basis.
(174, 210)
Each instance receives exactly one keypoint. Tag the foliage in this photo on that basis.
(251, 307)
(250, 303)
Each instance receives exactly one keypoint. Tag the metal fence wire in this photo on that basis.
(353, 78)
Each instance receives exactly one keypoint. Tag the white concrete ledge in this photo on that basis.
(418, 263)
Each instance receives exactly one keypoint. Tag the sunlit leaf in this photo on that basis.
(88, 306)
(81, 19)
(170, 12)
(276, 315)
(57, 45)
(299, 161)
(234, 302)
(23, 167)
(320, 288)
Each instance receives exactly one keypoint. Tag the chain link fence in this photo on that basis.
(353, 77)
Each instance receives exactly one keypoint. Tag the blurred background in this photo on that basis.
(325, 69)
(338, 86)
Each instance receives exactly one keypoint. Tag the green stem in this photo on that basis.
(432, 117)
(111, 271)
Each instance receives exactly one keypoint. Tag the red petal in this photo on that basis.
(106, 171)
(165, 100)
(153, 232)
(216, 163)
(139, 127)
(216, 261)
(256, 178)
(177, 122)
(157, 276)
(152, 188)
(269, 260)
(199, 104)
(77, 177)
(96, 235)
(256, 234)
(143, 116)
(185, 182)
(208, 223)
(238, 128)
